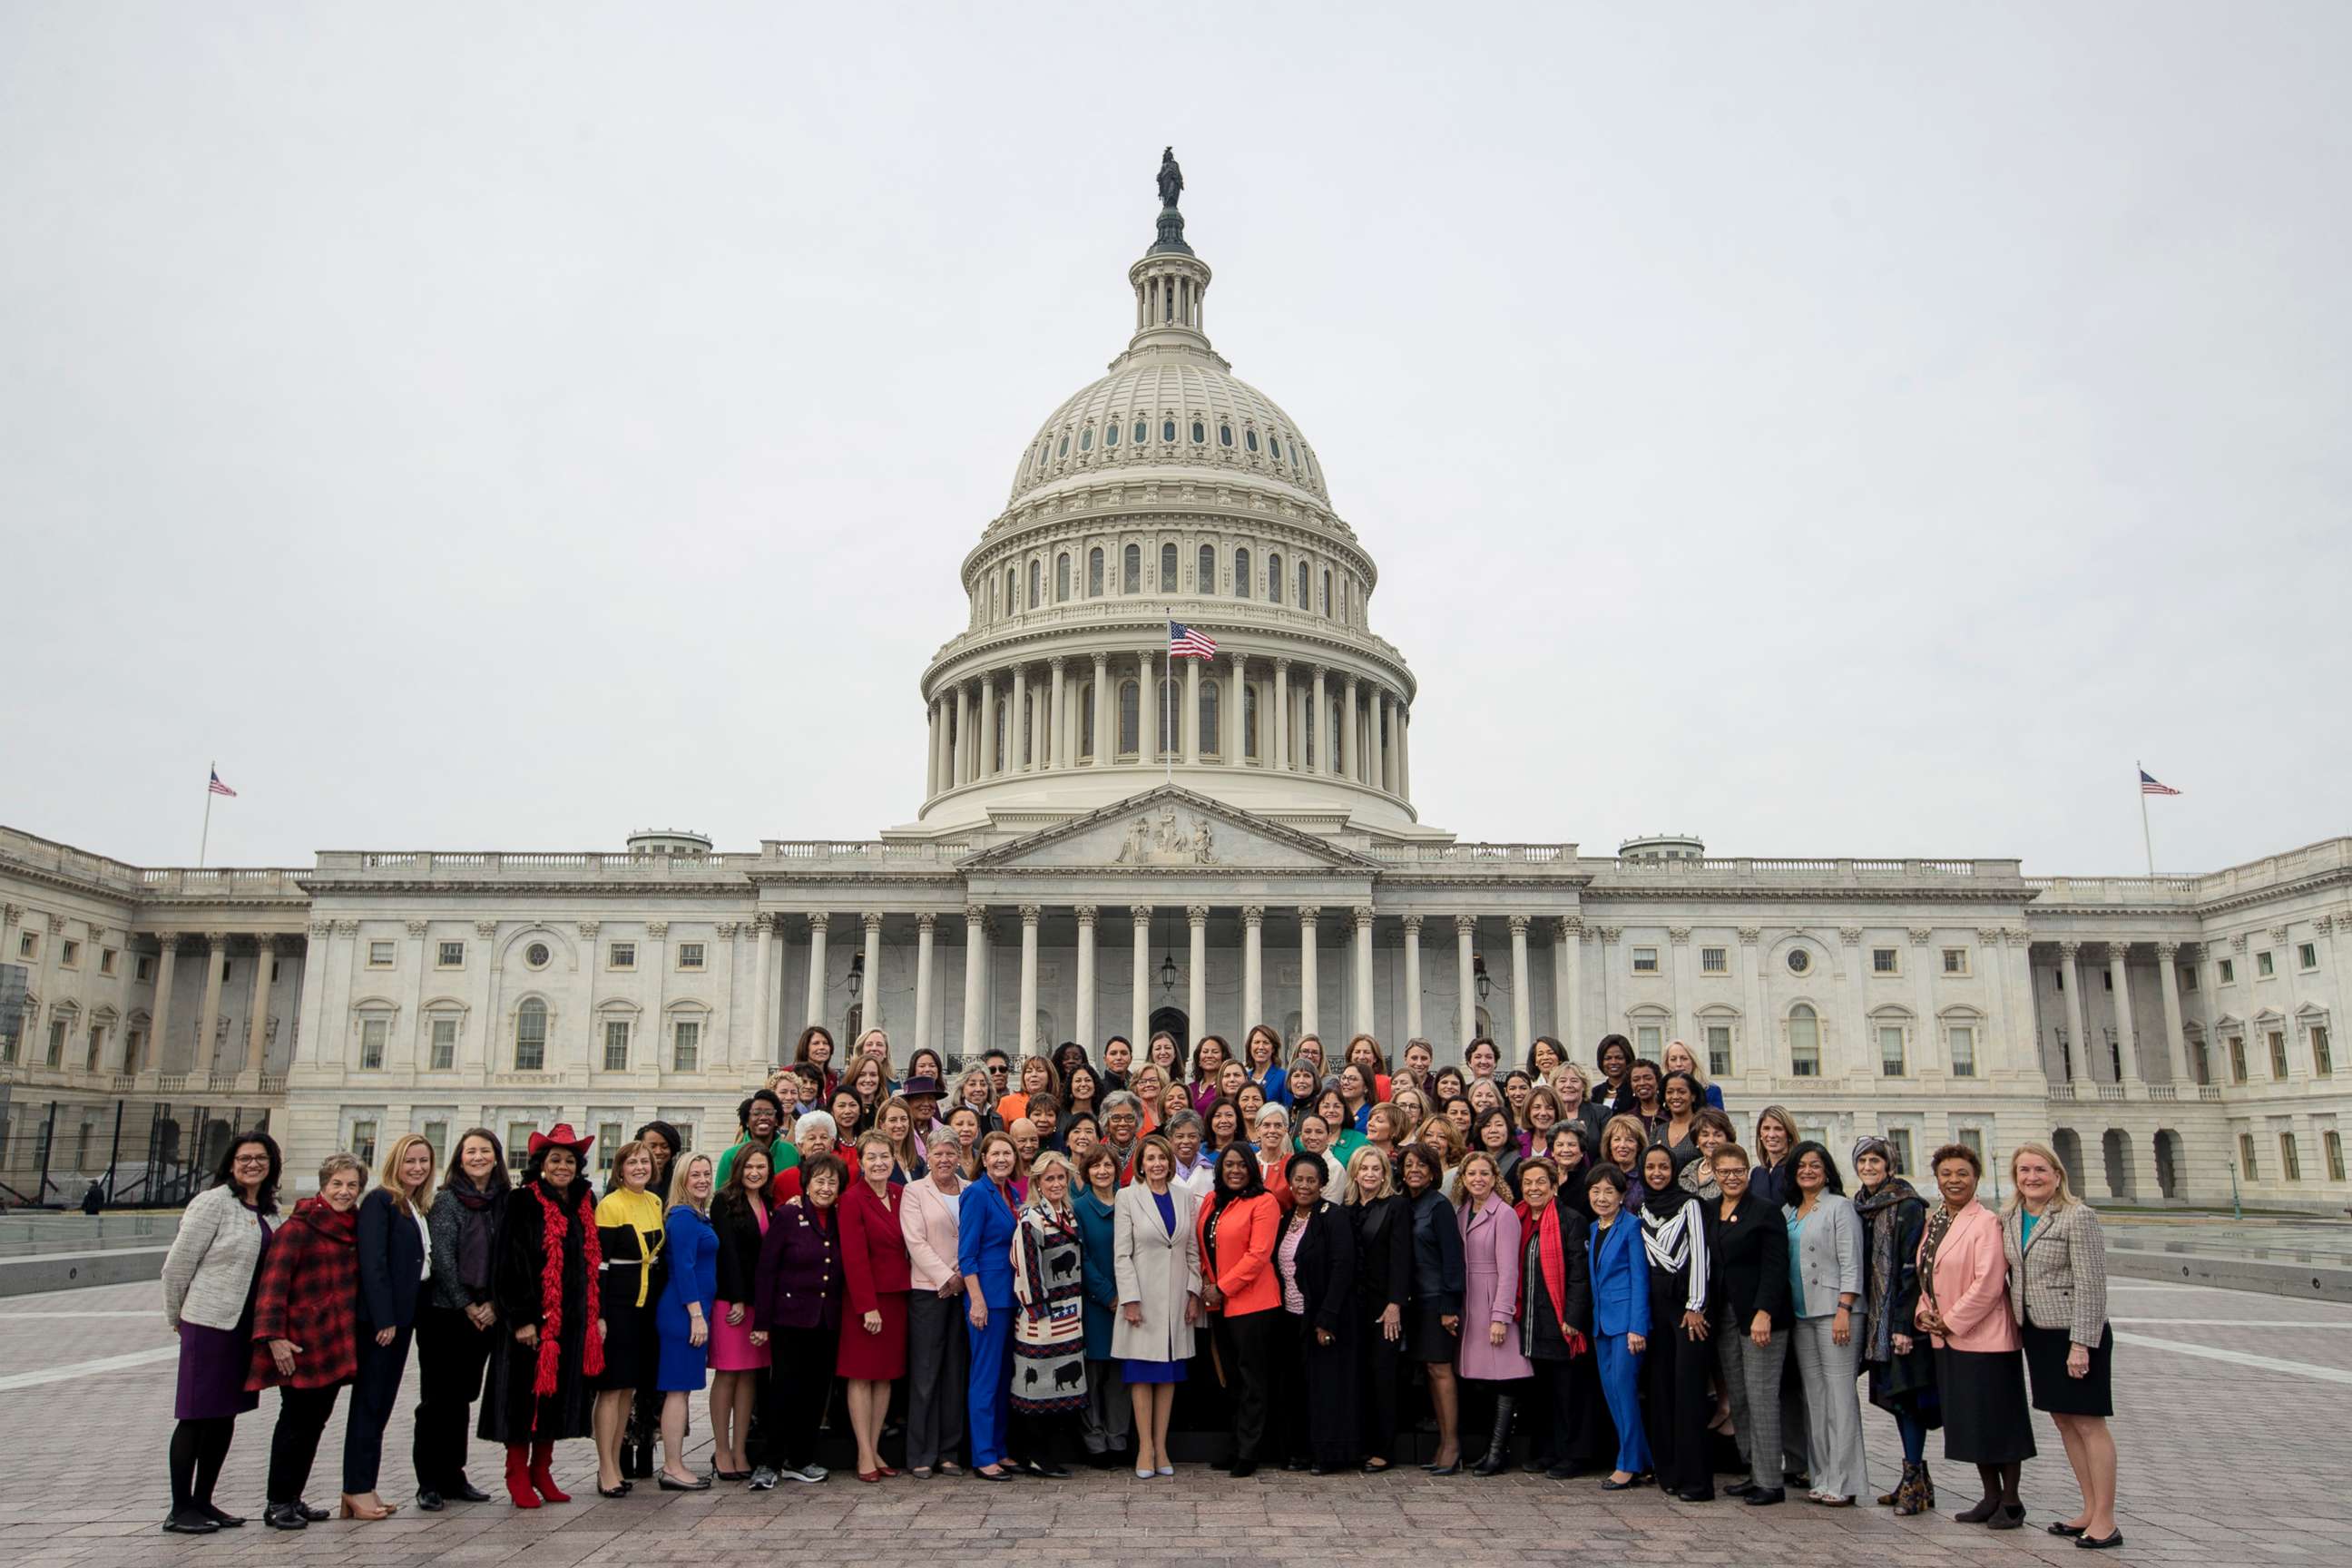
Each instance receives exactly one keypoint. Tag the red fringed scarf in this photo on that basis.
(550, 1291)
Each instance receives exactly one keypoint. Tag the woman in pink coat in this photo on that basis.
(1964, 1307)
(1490, 1364)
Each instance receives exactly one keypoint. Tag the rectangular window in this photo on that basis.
(2107, 979)
(1713, 961)
(445, 1044)
(1804, 1045)
(616, 1045)
(2058, 977)
(436, 1134)
(1649, 1040)
(2237, 1058)
(1645, 961)
(1890, 1051)
(519, 1144)
(106, 961)
(1718, 1050)
(450, 955)
(2332, 1143)
(690, 955)
(608, 1143)
(56, 1056)
(363, 1143)
(2277, 1038)
(1964, 1050)
(1973, 1139)
(2229, 972)
(686, 1046)
(621, 955)
(380, 955)
(2290, 1157)
(1899, 1138)
(2188, 977)
(2264, 967)
(2306, 955)
(530, 1038)
(28, 944)
(373, 1032)
(1955, 961)
(2246, 1165)
(2323, 1056)
(145, 969)
(2201, 1068)
(70, 954)
(134, 1051)
(1885, 960)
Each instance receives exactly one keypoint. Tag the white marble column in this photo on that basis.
(1405, 751)
(1350, 758)
(1613, 1016)
(931, 751)
(1308, 1023)
(2175, 1044)
(257, 1027)
(988, 759)
(1326, 743)
(1680, 984)
(159, 1016)
(2126, 1036)
(1522, 1023)
(1252, 967)
(1234, 711)
(926, 948)
(207, 1021)
(1196, 969)
(1927, 1056)
(1281, 716)
(1564, 932)
(1060, 727)
(1465, 937)
(871, 1017)
(820, 926)
(2071, 978)
(1020, 734)
(1412, 980)
(1190, 725)
(1139, 1029)
(1380, 718)
(961, 744)
(1083, 1012)
(1362, 1022)
(1027, 1033)
(975, 964)
(1106, 739)
(762, 1035)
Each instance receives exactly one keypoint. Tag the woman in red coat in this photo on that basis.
(305, 1333)
(1238, 1228)
(876, 1274)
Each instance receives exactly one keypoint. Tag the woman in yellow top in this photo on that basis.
(629, 1230)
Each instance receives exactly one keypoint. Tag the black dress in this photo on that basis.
(1438, 1280)
(1899, 1384)
(515, 1409)
(1383, 1230)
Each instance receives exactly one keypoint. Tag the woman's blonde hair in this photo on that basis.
(1367, 1154)
(879, 1138)
(1049, 1161)
(390, 1178)
(903, 1154)
(1460, 1194)
(2063, 1198)
(1697, 1068)
(1628, 1124)
(678, 1196)
(889, 1070)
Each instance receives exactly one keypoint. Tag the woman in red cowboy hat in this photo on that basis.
(550, 1348)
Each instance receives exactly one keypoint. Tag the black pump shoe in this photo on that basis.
(226, 1520)
(2100, 1543)
(188, 1521)
(465, 1492)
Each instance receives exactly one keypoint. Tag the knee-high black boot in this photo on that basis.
(1499, 1445)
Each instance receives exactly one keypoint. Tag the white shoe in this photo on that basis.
(1144, 1472)
(1165, 1470)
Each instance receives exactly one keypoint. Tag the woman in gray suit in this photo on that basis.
(2058, 1290)
(1825, 1247)
(1156, 1255)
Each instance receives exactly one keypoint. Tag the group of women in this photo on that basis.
(1037, 1264)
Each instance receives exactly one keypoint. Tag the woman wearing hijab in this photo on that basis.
(1902, 1368)
(458, 1324)
(1238, 1228)
(1675, 1372)
(1049, 1337)
(548, 1350)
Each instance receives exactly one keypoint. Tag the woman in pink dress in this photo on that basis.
(1490, 1361)
(738, 1367)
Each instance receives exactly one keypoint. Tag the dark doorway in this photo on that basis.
(1172, 1021)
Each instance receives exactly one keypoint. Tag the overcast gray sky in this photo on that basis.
(1834, 429)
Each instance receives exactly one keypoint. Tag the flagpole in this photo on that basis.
(1168, 662)
(205, 842)
(2147, 841)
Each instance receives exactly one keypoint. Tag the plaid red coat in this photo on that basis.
(309, 1294)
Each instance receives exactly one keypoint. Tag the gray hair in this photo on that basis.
(334, 1162)
(1182, 1120)
(1118, 1099)
(815, 1122)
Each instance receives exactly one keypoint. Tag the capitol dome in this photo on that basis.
(1168, 490)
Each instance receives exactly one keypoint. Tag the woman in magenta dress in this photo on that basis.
(739, 1368)
(1491, 1247)
(876, 1274)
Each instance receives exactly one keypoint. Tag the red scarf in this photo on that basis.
(1553, 1258)
(550, 1290)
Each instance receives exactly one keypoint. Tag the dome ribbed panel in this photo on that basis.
(1158, 388)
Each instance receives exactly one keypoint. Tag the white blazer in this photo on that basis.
(1157, 1266)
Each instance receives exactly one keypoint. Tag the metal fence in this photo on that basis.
(137, 1154)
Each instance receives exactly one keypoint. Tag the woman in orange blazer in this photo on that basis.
(1238, 1227)
(1964, 1309)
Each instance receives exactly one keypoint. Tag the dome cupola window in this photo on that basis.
(1207, 580)
(1130, 576)
(1241, 575)
(1168, 430)
(1142, 432)
(1094, 573)
(1274, 446)
(1110, 434)
(1064, 450)
(1273, 577)
(1225, 435)
(1200, 433)
(1086, 439)
(1167, 568)
(1249, 439)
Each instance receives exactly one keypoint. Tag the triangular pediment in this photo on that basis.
(1171, 828)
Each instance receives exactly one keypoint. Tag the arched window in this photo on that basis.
(1273, 576)
(1086, 718)
(1062, 577)
(1274, 446)
(1094, 573)
(1200, 433)
(1129, 715)
(1249, 722)
(1211, 732)
(1225, 435)
(531, 1037)
(1804, 1041)
(1131, 570)
(1086, 439)
(1326, 591)
(1205, 581)
(1241, 575)
(1036, 583)
(1167, 568)
(1063, 449)
(1302, 585)
(1110, 434)
(1012, 590)
(1168, 430)
(1249, 439)
(1144, 430)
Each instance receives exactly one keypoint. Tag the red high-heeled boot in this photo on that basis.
(518, 1476)
(541, 1456)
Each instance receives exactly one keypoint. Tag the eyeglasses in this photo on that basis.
(251, 1159)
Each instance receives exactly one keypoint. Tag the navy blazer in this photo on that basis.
(1621, 1277)
(392, 1263)
(801, 1277)
(1437, 1275)
(985, 1226)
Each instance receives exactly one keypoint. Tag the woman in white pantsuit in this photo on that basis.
(1157, 1256)
(1825, 1250)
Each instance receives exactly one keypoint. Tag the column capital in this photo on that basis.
(267, 945)
(2238, 943)
(657, 930)
(975, 915)
(1518, 924)
(1085, 912)
(1564, 927)
(818, 920)
(1364, 916)
(487, 929)
(215, 940)
(417, 928)
(1750, 935)
(1988, 936)
(726, 928)
(1196, 914)
(2119, 953)
(2168, 951)
(1102, 658)
(2322, 924)
(347, 928)
(1307, 915)
(1608, 934)
(1142, 913)
(1849, 935)
(1031, 914)
(1921, 935)
(926, 922)
(57, 925)
(871, 919)
(171, 938)
(11, 914)
(1411, 924)
(1281, 665)
(1351, 681)
(1679, 936)
(1056, 663)
(1466, 922)
(588, 929)
(1254, 915)
(2017, 936)
(2068, 950)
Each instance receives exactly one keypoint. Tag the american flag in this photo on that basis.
(216, 787)
(1184, 642)
(2149, 787)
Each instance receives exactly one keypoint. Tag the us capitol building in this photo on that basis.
(1106, 843)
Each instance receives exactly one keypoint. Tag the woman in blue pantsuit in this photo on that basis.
(986, 1217)
(1620, 1318)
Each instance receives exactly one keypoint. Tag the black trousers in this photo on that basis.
(1250, 1345)
(301, 1416)
(1381, 1377)
(1552, 1413)
(451, 1355)
(375, 1391)
(1315, 1386)
(800, 1381)
(1042, 1440)
(1676, 1404)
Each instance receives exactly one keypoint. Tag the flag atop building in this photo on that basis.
(1184, 642)
(216, 787)
(2147, 785)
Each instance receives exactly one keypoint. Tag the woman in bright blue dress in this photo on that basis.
(682, 1316)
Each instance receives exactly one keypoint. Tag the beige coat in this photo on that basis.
(1156, 1267)
(209, 1271)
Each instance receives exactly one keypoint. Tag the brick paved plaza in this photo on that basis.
(2224, 1462)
